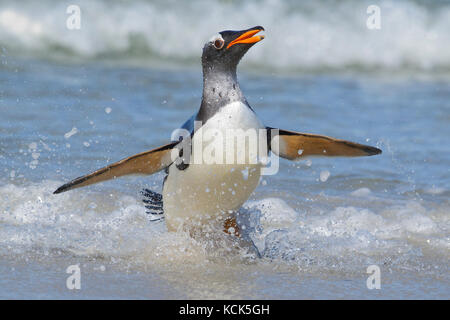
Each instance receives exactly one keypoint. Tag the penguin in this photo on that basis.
(198, 190)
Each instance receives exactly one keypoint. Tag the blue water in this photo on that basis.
(317, 236)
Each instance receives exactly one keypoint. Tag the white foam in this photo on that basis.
(324, 175)
(301, 35)
(73, 131)
(343, 237)
(115, 225)
(361, 192)
(435, 190)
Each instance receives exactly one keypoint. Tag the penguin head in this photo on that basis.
(225, 49)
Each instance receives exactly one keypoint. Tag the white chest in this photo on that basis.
(210, 188)
(235, 115)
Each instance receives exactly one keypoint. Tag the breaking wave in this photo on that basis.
(309, 35)
(35, 223)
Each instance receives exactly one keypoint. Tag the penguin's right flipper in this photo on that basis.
(295, 145)
(148, 162)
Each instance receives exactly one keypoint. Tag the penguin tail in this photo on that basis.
(154, 204)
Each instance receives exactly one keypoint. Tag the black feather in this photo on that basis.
(154, 203)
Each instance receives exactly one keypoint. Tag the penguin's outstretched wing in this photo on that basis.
(147, 162)
(295, 145)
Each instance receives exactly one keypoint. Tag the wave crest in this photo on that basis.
(313, 36)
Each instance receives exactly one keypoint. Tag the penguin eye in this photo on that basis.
(218, 43)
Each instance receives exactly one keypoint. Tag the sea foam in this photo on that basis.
(114, 226)
(314, 35)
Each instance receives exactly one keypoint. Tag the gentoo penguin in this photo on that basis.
(199, 187)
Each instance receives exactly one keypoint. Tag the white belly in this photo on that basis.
(207, 190)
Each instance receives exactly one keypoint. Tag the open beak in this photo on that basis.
(248, 37)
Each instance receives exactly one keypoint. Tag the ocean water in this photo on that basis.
(73, 101)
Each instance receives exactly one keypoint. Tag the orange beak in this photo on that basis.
(247, 37)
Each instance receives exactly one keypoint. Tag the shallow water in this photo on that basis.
(317, 237)
(72, 102)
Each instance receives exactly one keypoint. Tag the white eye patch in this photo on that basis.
(215, 37)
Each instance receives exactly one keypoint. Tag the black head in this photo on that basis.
(224, 50)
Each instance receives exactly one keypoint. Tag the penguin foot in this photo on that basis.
(230, 226)
(153, 203)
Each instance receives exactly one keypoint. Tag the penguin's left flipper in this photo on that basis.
(295, 145)
(147, 162)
